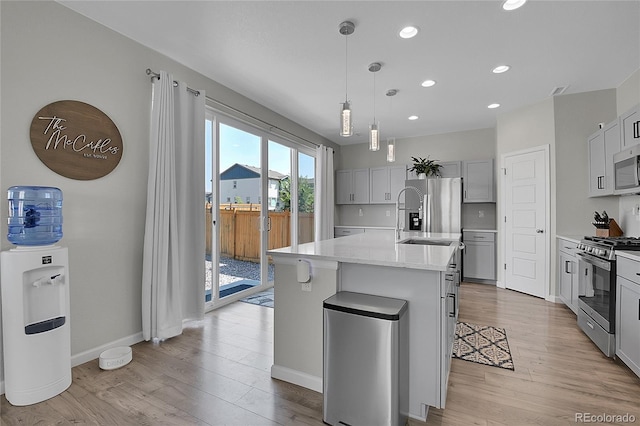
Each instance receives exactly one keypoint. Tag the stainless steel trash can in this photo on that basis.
(366, 360)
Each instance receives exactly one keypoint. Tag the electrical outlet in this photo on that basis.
(636, 210)
(306, 286)
(480, 213)
(360, 212)
(388, 213)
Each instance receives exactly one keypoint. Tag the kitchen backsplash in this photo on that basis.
(479, 216)
(629, 215)
(474, 216)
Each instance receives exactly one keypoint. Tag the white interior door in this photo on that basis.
(527, 221)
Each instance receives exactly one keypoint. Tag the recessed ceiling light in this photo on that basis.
(513, 4)
(408, 32)
(413, 117)
(501, 68)
(492, 106)
(428, 83)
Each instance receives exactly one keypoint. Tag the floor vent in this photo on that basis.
(558, 90)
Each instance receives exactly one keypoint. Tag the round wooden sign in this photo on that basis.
(76, 140)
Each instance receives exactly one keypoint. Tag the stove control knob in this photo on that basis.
(589, 249)
(600, 252)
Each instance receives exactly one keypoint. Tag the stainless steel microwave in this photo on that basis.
(626, 166)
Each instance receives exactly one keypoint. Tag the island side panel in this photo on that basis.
(421, 288)
(298, 316)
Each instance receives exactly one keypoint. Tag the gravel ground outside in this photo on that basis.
(232, 270)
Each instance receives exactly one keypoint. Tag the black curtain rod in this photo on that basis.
(237, 111)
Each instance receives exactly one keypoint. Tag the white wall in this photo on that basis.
(456, 146)
(50, 53)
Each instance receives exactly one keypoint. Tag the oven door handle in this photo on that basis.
(603, 264)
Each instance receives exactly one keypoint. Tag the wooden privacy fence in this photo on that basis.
(240, 231)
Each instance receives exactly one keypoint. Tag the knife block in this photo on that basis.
(613, 230)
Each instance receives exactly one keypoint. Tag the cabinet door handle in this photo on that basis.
(453, 312)
(638, 309)
(566, 266)
(636, 129)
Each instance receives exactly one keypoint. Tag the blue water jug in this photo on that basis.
(35, 215)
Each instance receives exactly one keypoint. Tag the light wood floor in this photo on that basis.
(217, 373)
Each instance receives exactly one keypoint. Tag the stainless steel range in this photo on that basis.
(597, 287)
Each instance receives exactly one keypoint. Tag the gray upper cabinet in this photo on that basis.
(385, 183)
(630, 127)
(352, 186)
(478, 181)
(602, 146)
(451, 169)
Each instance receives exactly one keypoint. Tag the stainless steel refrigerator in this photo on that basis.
(443, 205)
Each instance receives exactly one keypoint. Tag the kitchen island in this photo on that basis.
(418, 267)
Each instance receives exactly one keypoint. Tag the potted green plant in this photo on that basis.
(424, 167)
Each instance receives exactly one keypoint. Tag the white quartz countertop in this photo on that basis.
(366, 227)
(632, 255)
(380, 249)
(573, 238)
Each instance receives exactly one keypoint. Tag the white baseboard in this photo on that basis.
(501, 284)
(554, 299)
(94, 353)
(2, 387)
(297, 378)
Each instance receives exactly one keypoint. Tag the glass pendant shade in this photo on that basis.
(346, 127)
(374, 137)
(391, 150)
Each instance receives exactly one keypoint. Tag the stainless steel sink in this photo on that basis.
(426, 242)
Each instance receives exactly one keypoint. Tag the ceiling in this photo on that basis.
(290, 57)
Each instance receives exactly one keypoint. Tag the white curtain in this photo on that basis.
(174, 245)
(325, 206)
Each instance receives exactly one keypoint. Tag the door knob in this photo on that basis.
(539, 231)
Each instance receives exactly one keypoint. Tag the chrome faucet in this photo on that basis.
(421, 209)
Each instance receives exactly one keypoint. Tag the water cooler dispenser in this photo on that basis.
(35, 298)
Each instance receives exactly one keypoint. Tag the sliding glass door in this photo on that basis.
(259, 196)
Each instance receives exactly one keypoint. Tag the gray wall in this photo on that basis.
(51, 53)
(577, 117)
(628, 95)
(468, 145)
(564, 122)
(524, 128)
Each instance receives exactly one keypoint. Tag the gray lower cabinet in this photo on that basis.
(568, 274)
(628, 313)
(479, 258)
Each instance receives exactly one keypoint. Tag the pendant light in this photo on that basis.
(346, 126)
(374, 131)
(391, 142)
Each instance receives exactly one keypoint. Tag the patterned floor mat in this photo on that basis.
(482, 344)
